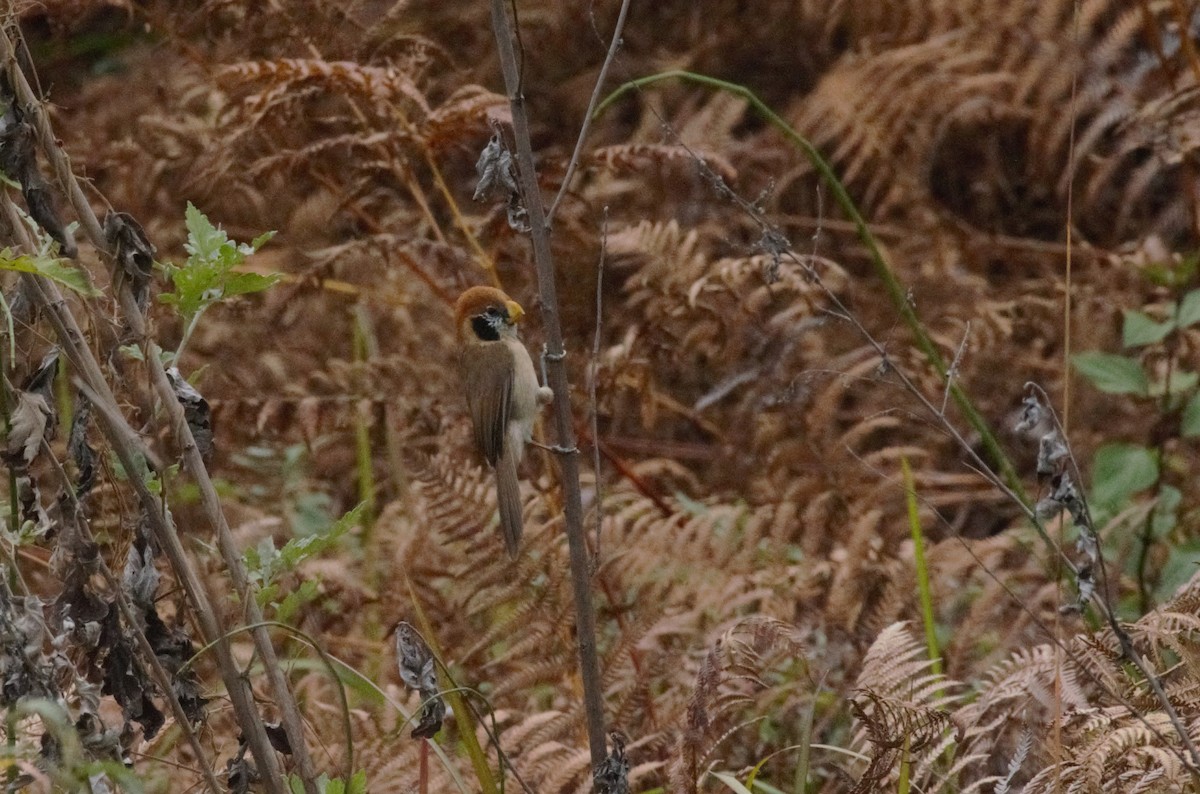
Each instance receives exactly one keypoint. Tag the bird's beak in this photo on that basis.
(515, 312)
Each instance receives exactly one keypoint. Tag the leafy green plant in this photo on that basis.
(1121, 470)
(358, 784)
(209, 276)
(266, 565)
(46, 261)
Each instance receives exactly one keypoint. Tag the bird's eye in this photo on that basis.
(492, 311)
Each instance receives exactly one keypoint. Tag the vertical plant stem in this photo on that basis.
(807, 716)
(589, 664)
(462, 714)
(918, 537)
(589, 114)
(423, 769)
(362, 434)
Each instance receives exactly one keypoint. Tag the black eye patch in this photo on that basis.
(487, 326)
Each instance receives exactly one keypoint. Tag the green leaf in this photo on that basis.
(1178, 570)
(261, 240)
(132, 352)
(52, 268)
(247, 283)
(1189, 309)
(1112, 373)
(1140, 329)
(732, 782)
(1191, 417)
(1121, 470)
(290, 605)
(207, 277)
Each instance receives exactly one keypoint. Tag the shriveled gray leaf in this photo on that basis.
(78, 448)
(196, 412)
(1051, 450)
(140, 578)
(27, 425)
(418, 670)
(1032, 415)
(495, 170)
(133, 253)
(417, 666)
(613, 775)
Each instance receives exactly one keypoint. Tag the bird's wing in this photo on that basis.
(488, 377)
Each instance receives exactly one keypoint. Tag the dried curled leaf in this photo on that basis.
(27, 426)
(613, 775)
(418, 670)
(18, 160)
(133, 253)
(78, 448)
(196, 412)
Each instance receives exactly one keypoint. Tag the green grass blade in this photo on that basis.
(918, 537)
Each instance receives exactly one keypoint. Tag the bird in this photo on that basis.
(503, 394)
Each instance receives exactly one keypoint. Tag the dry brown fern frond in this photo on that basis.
(726, 676)
(634, 157)
(905, 716)
(380, 86)
(726, 341)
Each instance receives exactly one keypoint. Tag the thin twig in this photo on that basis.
(589, 663)
(952, 372)
(593, 409)
(613, 46)
(1105, 605)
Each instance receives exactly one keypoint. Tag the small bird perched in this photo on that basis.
(503, 393)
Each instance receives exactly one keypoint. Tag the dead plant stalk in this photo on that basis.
(210, 501)
(128, 447)
(589, 665)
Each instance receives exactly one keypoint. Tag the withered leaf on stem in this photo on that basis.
(29, 422)
(125, 678)
(277, 736)
(240, 774)
(196, 412)
(140, 578)
(18, 159)
(495, 170)
(34, 416)
(417, 666)
(133, 252)
(418, 670)
(432, 716)
(78, 448)
(78, 600)
(25, 669)
(613, 775)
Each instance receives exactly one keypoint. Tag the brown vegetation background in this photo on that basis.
(754, 555)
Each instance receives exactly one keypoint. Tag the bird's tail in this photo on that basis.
(508, 497)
